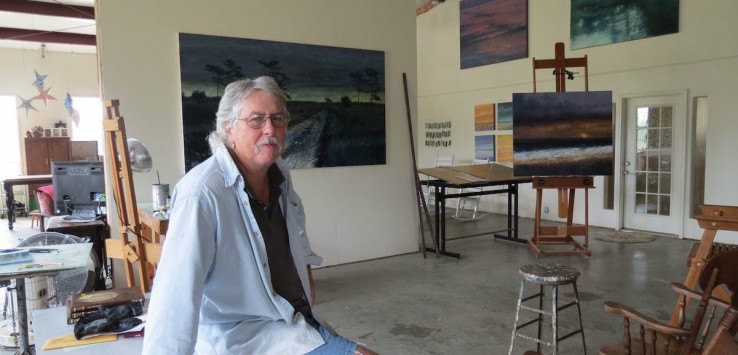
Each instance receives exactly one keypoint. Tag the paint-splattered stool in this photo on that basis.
(543, 275)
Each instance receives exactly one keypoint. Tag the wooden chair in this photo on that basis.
(660, 337)
(723, 342)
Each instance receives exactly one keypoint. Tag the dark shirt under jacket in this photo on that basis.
(269, 217)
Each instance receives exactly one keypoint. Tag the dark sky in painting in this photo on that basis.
(493, 31)
(315, 72)
(563, 115)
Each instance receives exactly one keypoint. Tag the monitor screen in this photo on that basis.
(79, 187)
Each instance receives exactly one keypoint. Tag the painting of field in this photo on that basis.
(600, 22)
(505, 116)
(484, 117)
(484, 147)
(563, 133)
(335, 96)
(493, 31)
(505, 148)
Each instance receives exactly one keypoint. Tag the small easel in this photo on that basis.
(125, 198)
(712, 219)
(565, 185)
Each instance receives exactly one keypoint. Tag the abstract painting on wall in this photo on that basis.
(505, 116)
(563, 133)
(484, 117)
(505, 148)
(493, 31)
(335, 96)
(600, 22)
(484, 147)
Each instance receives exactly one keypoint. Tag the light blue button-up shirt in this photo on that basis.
(213, 292)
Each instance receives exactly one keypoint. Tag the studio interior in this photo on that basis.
(478, 176)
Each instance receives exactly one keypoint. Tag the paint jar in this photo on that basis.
(160, 195)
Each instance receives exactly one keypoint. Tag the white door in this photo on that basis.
(655, 155)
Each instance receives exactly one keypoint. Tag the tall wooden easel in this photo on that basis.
(125, 199)
(565, 185)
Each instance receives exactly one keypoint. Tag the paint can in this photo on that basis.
(160, 195)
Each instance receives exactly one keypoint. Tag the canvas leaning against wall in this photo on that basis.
(563, 134)
(335, 96)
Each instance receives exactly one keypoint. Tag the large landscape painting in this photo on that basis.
(600, 22)
(493, 31)
(335, 96)
(563, 133)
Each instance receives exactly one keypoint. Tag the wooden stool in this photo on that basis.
(543, 275)
(38, 218)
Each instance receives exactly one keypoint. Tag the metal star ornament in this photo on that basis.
(44, 96)
(40, 80)
(26, 104)
(69, 104)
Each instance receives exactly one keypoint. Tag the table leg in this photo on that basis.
(9, 202)
(442, 224)
(512, 216)
(20, 296)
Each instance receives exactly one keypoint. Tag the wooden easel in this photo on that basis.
(125, 198)
(566, 186)
(712, 219)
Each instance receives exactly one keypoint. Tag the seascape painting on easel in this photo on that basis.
(563, 134)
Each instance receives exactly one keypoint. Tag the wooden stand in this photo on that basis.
(566, 186)
(125, 197)
(712, 219)
(550, 235)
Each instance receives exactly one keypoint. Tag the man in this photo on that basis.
(234, 276)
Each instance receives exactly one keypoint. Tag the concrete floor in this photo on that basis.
(410, 305)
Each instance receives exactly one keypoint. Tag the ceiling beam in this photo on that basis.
(46, 36)
(48, 9)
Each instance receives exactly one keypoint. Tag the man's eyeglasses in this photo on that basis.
(258, 120)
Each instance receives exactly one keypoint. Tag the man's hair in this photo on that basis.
(231, 105)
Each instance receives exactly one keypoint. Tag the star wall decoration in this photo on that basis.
(69, 104)
(75, 118)
(25, 104)
(44, 96)
(40, 80)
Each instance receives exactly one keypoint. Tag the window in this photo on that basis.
(10, 156)
(89, 128)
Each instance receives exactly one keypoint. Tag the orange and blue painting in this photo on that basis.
(484, 117)
(505, 116)
(493, 31)
(563, 133)
(505, 148)
(484, 147)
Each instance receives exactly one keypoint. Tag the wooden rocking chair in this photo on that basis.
(660, 337)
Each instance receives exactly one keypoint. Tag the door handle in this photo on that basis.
(626, 172)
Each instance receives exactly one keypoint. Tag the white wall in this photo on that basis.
(702, 59)
(353, 213)
(73, 73)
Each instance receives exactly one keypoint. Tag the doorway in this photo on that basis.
(654, 163)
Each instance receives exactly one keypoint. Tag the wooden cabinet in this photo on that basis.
(40, 152)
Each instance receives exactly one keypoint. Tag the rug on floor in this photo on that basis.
(624, 237)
